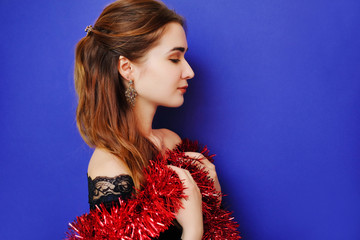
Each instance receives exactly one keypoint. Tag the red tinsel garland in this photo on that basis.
(155, 206)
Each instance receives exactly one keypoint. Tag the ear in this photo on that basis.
(125, 68)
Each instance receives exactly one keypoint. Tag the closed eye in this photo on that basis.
(175, 60)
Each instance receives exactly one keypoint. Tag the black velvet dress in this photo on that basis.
(108, 190)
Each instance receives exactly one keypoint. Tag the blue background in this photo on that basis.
(276, 96)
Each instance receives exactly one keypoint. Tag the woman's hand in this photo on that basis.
(190, 216)
(209, 167)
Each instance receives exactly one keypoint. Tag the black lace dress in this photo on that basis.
(108, 190)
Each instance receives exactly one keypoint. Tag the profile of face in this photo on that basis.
(161, 76)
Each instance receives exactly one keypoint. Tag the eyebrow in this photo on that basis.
(181, 49)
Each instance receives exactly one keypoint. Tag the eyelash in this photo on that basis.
(175, 60)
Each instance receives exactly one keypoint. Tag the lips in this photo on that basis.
(183, 89)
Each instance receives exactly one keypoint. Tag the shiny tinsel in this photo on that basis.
(155, 206)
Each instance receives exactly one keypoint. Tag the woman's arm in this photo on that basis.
(103, 163)
(190, 217)
(108, 180)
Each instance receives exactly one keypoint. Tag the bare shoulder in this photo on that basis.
(103, 163)
(170, 138)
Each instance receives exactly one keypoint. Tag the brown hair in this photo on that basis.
(105, 119)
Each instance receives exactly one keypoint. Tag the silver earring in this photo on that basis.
(131, 93)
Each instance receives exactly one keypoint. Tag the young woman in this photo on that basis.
(130, 62)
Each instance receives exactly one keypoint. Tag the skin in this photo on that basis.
(158, 78)
(159, 75)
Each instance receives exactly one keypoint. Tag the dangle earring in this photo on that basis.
(131, 93)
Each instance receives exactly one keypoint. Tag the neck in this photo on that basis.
(145, 112)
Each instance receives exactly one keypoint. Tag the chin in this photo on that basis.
(174, 104)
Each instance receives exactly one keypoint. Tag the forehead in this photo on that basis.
(172, 36)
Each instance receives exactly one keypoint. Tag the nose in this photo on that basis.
(188, 73)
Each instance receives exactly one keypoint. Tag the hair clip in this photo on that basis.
(88, 29)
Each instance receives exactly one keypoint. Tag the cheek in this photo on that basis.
(149, 82)
(159, 77)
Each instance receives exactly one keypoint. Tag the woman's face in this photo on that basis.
(161, 77)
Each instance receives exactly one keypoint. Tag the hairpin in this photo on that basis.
(88, 29)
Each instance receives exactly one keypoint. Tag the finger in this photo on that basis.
(194, 155)
(178, 170)
(184, 176)
(201, 160)
(207, 163)
(201, 166)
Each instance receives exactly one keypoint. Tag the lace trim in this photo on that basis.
(108, 189)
